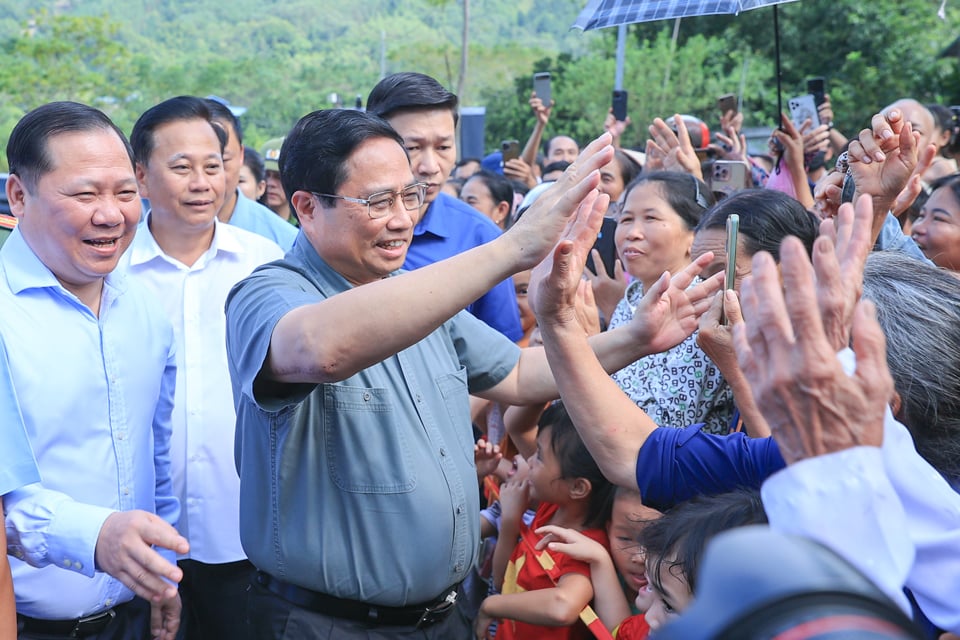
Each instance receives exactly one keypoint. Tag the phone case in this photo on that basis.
(728, 176)
(620, 105)
(802, 108)
(541, 85)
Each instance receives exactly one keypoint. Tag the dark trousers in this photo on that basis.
(214, 597)
(273, 618)
(132, 623)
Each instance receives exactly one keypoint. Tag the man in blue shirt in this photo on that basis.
(425, 116)
(92, 362)
(358, 491)
(238, 209)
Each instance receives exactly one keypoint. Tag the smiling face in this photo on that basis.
(429, 136)
(360, 248)
(184, 177)
(937, 229)
(81, 215)
(651, 237)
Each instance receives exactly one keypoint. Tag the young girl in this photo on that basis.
(534, 602)
(618, 576)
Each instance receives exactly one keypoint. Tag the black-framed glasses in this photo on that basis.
(381, 203)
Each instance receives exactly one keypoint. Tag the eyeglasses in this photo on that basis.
(381, 203)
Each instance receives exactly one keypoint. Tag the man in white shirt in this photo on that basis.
(190, 261)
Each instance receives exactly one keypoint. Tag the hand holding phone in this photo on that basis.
(510, 150)
(730, 272)
(803, 108)
(620, 105)
(727, 102)
(817, 87)
(541, 86)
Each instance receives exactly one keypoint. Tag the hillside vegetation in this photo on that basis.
(283, 59)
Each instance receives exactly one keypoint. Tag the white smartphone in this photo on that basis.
(803, 108)
(728, 176)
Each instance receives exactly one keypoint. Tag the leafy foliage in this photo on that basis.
(283, 59)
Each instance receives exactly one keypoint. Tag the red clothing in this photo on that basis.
(524, 573)
(633, 628)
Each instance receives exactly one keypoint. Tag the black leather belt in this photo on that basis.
(77, 628)
(421, 615)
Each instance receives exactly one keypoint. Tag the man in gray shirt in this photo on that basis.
(359, 502)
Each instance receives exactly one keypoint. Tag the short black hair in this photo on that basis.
(315, 152)
(27, 155)
(576, 462)
(767, 216)
(254, 162)
(682, 533)
(559, 165)
(501, 189)
(171, 110)
(686, 194)
(410, 91)
(222, 113)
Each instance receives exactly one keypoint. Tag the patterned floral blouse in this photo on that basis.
(678, 387)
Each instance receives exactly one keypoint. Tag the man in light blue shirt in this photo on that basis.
(238, 209)
(92, 362)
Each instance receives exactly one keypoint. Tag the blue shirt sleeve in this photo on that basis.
(677, 464)
(892, 238)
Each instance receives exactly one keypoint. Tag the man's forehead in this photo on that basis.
(79, 151)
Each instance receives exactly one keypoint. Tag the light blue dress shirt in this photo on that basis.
(255, 217)
(366, 488)
(17, 466)
(95, 394)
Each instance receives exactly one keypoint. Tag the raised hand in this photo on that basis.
(673, 150)
(810, 403)
(668, 313)
(570, 200)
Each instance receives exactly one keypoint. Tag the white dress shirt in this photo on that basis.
(204, 420)
(886, 511)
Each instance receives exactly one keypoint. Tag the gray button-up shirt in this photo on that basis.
(363, 489)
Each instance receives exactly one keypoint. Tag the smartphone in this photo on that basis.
(817, 87)
(510, 149)
(541, 85)
(730, 271)
(727, 102)
(728, 176)
(620, 105)
(803, 108)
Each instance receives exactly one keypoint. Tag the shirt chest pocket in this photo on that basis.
(366, 450)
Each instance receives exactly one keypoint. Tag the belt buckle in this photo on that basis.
(438, 611)
(95, 619)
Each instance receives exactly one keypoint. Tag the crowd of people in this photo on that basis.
(355, 386)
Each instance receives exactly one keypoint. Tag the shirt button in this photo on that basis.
(459, 509)
(78, 566)
(459, 567)
(366, 396)
(108, 602)
(66, 563)
(419, 398)
(443, 452)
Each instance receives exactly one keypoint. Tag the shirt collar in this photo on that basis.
(145, 247)
(24, 270)
(437, 219)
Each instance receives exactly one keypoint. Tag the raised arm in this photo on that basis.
(330, 340)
